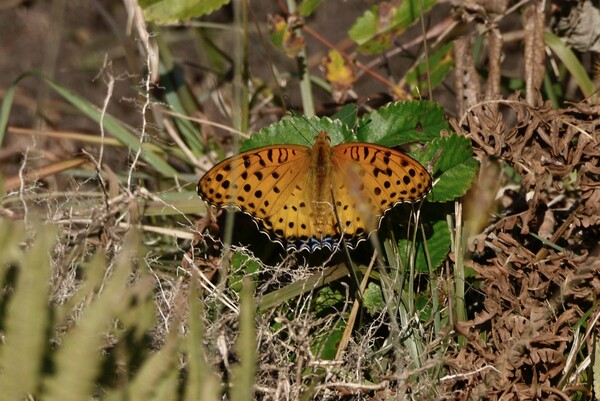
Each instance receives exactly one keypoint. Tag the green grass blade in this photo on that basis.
(572, 63)
(78, 361)
(243, 374)
(112, 125)
(201, 383)
(27, 318)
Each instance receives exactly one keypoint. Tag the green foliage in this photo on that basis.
(402, 122)
(437, 242)
(112, 125)
(456, 167)
(571, 62)
(307, 7)
(431, 71)
(327, 298)
(243, 374)
(95, 345)
(373, 298)
(393, 125)
(46, 357)
(451, 158)
(298, 131)
(376, 29)
(27, 316)
(170, 11)
(348, 115)
(326, 343)
(241, 266)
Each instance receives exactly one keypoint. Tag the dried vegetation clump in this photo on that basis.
(537, 265)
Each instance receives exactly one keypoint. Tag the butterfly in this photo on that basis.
(310, 197)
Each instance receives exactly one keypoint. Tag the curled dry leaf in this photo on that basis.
(533, 294)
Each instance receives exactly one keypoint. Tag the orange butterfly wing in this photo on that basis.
(298, 193)
(257, 182)
(371, 179)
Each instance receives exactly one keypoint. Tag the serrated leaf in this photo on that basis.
(455, 169)
(376, 29)
(373, 298)
(438, 245)
(395, 124)
(170, 11)
(299, 131)
(370, 32)
(402, 122)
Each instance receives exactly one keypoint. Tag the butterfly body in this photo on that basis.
(310, 197)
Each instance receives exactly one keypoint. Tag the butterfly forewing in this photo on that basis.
(257, 181)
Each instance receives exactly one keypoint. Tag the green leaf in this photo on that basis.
(347, 115)
(438, 242)
(307, 7)
(402, 122)
(373, 298)
(325, 345)
(376, 29)
(439, 65)
(327, 298)
(323, 277)
(395, 124)
(299, 131)
(242, 265)
(455, 169)
(169, 11)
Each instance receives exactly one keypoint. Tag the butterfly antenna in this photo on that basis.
(298, 115)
